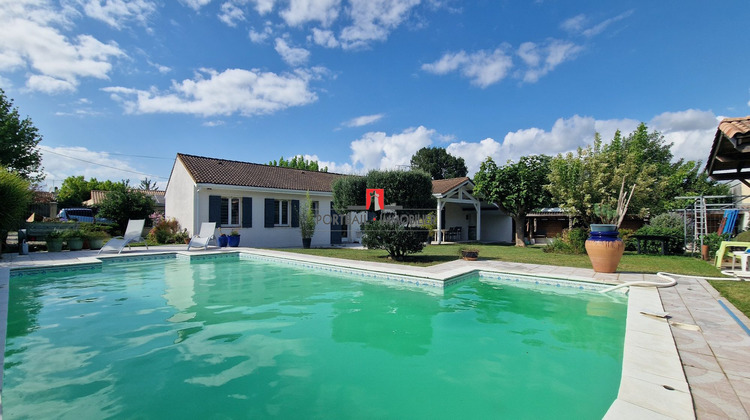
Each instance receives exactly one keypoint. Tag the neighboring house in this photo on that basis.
(262, 203)
(97, 196)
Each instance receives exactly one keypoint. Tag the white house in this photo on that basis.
(262, 203)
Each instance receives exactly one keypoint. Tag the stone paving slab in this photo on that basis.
(715, 358)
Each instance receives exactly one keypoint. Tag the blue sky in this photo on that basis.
(363, 84)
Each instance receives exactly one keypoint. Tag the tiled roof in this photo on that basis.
(730, 153)
(97, 196)
(442, 186)
(733, 126)
(205, 170)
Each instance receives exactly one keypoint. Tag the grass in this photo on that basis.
(737, 292)
(436, 254)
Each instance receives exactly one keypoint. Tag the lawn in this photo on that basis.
(737, 292)
(436, 254)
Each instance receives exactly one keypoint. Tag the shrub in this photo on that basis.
(743, 236)
(164, 231)
(674, 245)
(713, 240)
(668, 221)
(627, 239)
(15, 197)
(571, 241)
(394, 237)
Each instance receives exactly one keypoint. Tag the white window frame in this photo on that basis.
(279, 210)
(230, 213)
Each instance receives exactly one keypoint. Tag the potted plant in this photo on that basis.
(54, 241)
(307, 222)
(604, 246)
(222, 239)
(96, 238)
(468, 254)
(74, 238)
(234, 239)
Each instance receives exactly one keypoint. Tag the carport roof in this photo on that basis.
(730, 152)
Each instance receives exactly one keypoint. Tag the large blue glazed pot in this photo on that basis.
(222, 241)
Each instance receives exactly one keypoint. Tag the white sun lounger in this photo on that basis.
(132, 234)
(204, 237)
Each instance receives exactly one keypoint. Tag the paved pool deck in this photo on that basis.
(693, 364)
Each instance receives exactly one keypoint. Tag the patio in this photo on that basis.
(711, 345)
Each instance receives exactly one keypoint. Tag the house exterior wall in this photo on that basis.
(268, 237)
(496, 227)
(180, 198)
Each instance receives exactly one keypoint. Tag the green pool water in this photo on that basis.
(250, 339)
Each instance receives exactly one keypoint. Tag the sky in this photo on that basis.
(118, 87)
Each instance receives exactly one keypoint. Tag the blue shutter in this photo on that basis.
(214, 209)
(270, 208)
(247, 212)
(295, 213)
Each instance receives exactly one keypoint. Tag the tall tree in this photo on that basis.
(437, 162)
(591, 179)
(516, 188)
(147, 185)
(123, 203)
(75, 190)
(299, 162)
(19, 142)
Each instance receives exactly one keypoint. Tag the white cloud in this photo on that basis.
(162, 69)
(196, 4)
(117, 13)
(61, 162)
(482, 68)
(373, 20)
(291, 55)
(475, 153)
(333, 167)
(578, 24)
(262, 36)
(264, 6)
(247, 92)
(691, 132)
(363, 120)
(303, 11)
(541, 59)
(231, 14)
(53, 62)
(324, 38)
(574, 24)
(377, 150)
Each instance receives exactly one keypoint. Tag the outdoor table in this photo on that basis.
(645, 238)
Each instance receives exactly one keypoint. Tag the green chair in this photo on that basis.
(722, 252)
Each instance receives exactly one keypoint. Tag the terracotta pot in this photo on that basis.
(605, 252)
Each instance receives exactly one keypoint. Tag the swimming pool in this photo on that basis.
(247, 338)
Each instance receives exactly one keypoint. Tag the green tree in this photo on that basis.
(123, 203)
(592, 178)
(440, 164)
(411, 190)
(299, 162)
(15, 196)
(147, 185)
(348, 191)
(75, 190)
(19, 142)
(516, 188)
